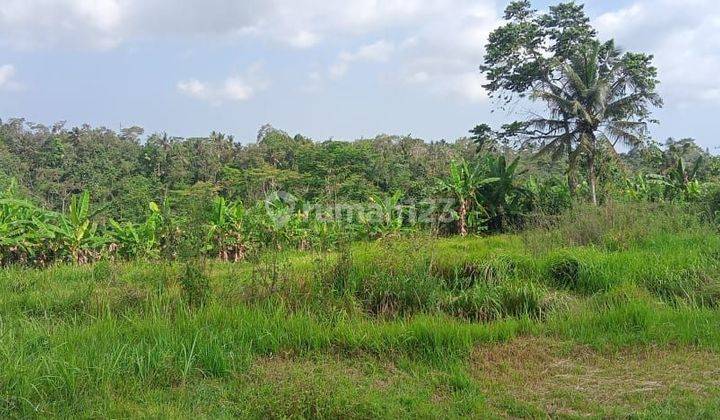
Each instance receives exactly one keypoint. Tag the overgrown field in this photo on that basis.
(609, 312)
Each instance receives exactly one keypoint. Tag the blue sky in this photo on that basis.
(343, 69)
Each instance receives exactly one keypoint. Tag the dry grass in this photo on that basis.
(564, 380)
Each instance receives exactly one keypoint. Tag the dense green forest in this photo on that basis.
(159, 195)
(126, 170)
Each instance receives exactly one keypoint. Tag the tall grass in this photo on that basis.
(74, 338)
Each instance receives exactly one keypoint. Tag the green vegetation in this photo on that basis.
(169, 277)
(412, 327)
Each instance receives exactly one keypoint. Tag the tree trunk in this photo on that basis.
(463, 218)
(572, 165)
(593, 178)
(572, 181)
(592, 175)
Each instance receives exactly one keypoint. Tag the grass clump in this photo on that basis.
(565, 272)
(486, 302)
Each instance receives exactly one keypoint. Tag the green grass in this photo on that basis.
(417, 327)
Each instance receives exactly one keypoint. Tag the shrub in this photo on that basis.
(195, 284)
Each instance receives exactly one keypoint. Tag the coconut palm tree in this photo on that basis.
(600, 97)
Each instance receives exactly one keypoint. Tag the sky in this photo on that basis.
(323, 68)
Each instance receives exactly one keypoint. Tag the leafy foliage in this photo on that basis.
(595, 95)
(463, 184)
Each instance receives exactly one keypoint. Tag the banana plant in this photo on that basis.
(278, 219)
(463, 184)
(550, 196)
(130, 240)
(682, 182)
(298, 230)
(388, 215)
(649, 187)
(227, 230)
(325, 233)
(24, 236)
(15, 228)
(504, 199)
(76, 234)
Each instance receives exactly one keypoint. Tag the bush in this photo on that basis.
(195, 285)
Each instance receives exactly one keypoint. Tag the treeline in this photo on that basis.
(79, 194)
(123, 171)
(86, 193)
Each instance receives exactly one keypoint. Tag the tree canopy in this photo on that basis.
(592, 95)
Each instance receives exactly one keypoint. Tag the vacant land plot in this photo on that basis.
(610, 316)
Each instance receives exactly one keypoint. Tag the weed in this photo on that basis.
(195, 284)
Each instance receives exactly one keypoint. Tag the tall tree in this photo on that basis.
(600, 100)
(528, 56)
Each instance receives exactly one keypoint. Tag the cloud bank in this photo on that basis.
(433, 45)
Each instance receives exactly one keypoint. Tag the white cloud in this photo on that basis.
(449, 81)
(7, 77)
(444, 55)
(298, 23)
(304, 39)
(313, 82)
(418, 77)
(432, 43)
(469, 86)
(684, 38)
(338, 69)
(236, 88)
(194, 88)
(28, 24)
(379, 51)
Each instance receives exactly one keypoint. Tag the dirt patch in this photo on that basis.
(560, 379)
